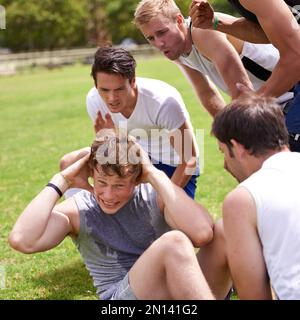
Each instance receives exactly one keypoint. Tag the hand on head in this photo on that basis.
(143, 157)
(78, 173)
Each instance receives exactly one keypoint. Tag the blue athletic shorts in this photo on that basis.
(190, 188)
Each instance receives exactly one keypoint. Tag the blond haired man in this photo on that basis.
(208, 58)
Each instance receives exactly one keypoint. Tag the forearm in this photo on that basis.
(180, 176)
(282, 30)
(233, 75)
(213, 102)
(187, 150)
(290, 72)
(33, 221)
(241, 28)
(207, 93)
(209, 97)
(184, 213)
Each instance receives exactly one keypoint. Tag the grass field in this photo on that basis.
(43, 116)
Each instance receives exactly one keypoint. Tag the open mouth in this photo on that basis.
(109, 204)
(114, 106)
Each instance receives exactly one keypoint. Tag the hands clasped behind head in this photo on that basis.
(117, 148)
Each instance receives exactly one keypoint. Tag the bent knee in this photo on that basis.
(175, 241)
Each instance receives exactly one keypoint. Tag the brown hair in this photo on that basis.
(116, 155)
(255, 122)
(113, 61)
(148, 9)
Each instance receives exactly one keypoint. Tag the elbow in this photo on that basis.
(17, 242)
(203, 236)
(64, 162)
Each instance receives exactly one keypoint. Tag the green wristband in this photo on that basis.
(216, 22)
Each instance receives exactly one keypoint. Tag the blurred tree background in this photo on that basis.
(52, 24)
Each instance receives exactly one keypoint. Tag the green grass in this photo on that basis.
(43, 116)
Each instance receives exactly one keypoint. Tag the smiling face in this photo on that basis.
(118, 92)
(168, 36)
(111, 191)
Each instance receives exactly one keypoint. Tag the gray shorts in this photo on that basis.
(123, 291)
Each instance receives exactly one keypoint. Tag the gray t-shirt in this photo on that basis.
(111, 243)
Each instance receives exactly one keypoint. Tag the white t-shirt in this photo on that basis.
(275, 189)
(159, 111)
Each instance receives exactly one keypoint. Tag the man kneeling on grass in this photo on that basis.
(120, 225)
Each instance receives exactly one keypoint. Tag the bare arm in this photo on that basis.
(180, 211)
(224, 56)
(280, 28)
(283, 32)
(204, 17)
(43, 225)
(241, 28)
(244, 249)
(184, 142)
(206, 91)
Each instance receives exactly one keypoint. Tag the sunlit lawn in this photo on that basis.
(43, 116)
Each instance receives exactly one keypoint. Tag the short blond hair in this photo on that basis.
(148, 9)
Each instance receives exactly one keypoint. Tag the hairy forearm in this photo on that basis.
(212, 102)
(232, 76)
(33, 221)
(210, 98)
(241, 28)
(206, 91)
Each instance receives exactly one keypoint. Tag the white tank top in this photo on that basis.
(275, 189)
(264, 56)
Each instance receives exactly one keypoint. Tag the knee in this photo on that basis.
(176, 244)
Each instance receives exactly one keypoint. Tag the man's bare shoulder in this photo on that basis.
(239, 202)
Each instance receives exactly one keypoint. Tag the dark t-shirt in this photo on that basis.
(250, 16)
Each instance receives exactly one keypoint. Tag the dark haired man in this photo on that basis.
(121, 230)
(148, 109)
(265, 21)
(262, 215)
